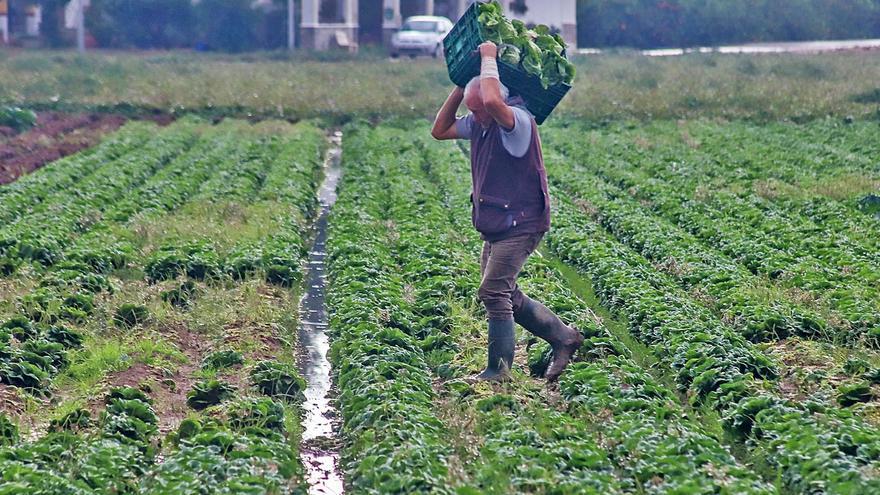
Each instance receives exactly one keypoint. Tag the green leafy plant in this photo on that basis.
(853, 393)
(75, 420)
(22, 328)
(17, 118)
(221, 359)
(182, 295)
(128, 315)
(209, 393)
(8, 431)
(539, 52)
(277, 380)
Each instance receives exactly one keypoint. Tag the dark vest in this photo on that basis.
(510, 194)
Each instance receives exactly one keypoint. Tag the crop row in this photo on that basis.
(68, 291)
(41, 234)
(628, 409)
(842, 289)
(18, 198)
(245, 445)
(731, 174)
(731, 290)
(798, 172)
(815, 446)
(394, 441)
(240, 447)
(281, 171)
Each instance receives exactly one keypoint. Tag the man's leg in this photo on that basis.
(501, 262)
(540, 321)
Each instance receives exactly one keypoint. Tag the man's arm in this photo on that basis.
(490, 87)
(444, 123)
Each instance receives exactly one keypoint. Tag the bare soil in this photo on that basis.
(55, 136)
(167, 388)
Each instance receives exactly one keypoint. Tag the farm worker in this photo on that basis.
(511, 210)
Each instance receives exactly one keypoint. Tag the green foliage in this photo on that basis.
(221, 359)
(853, 393)
(196, 259)
(136, 24)
(539, 358)
(242, 448)
(208, 393)
(17, 118)
(181, 296)
(21, 328)
(129, 315)
(277, 379)
(70, 339)
(77, 419)
(8, 431)
(686, 23)
(538, 51)
(856, 366)
(254, 415)
(24, 374)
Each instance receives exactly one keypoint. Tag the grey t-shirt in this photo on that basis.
(516, 141)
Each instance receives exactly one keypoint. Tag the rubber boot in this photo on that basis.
(501, 345)
(540, 321)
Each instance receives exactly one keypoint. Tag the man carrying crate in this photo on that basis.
(511, 210)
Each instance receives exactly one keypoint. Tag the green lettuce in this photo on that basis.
(538, 51)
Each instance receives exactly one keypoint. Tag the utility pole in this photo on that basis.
(291, 25)
(80, 27)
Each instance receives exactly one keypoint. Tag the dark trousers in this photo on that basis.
(500, 264)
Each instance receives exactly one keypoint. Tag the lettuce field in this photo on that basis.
(725, 275)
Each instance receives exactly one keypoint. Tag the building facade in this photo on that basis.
(4, 22)
(323, 22)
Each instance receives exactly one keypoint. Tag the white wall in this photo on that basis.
(71, 11)
(32, 21)
(559, 13)
(550, 12)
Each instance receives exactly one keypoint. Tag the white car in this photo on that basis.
(421, 35)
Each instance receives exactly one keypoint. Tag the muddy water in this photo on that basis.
(320, 442)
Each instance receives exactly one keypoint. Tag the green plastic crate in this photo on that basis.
(463, 64)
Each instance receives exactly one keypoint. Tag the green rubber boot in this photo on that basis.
(540, 321)
(501, 346)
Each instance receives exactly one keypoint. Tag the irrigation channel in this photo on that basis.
(319, 449)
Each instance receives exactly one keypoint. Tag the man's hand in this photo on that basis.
(488, 49)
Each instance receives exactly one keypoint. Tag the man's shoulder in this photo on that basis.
(517, 140)
(464, 126)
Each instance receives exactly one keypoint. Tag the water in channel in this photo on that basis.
(320, 442)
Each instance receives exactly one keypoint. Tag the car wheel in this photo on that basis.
(438, 52)
(394, 54)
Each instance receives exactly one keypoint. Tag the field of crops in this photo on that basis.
(725, 279)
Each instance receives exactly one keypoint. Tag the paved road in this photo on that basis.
(760, 48)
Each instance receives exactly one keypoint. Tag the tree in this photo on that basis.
(53, 19)
(666, 23)
(227, 25)
(142, 24)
